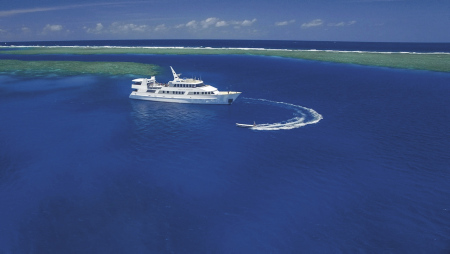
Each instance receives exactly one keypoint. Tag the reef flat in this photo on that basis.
(68, 68)
(405, 60)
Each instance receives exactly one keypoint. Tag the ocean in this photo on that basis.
(348, 158)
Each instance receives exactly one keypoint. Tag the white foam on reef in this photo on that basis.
(225, 48)
(302, 116)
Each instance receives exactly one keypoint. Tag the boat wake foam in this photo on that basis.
(302, 116)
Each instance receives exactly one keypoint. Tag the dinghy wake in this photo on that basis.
(302, 116)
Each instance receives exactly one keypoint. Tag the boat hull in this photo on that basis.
(245, 125)
(223, 98)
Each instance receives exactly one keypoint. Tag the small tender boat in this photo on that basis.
(246, 125)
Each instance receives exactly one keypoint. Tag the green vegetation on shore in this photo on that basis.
(67, 68)
(422, 61)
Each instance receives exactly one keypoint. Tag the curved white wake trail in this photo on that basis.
(303, 116)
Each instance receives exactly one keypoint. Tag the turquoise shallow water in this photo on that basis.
(85, 168)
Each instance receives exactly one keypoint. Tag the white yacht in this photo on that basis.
(180, 90)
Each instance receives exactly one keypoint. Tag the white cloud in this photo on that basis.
(161, 27)
(192, 24)
(340, 24)
(2, 31)
(216, 22)
(337, 24)
(52, 28)
(313, 23)
(245, 22)
(117, 27)
(57, 8)
(96, 30)
(284, 23)
(221, 23)
(21, 11)
(209, 22)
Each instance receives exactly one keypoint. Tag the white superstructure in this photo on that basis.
(180, 90)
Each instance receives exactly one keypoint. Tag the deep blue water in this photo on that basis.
(84, 169)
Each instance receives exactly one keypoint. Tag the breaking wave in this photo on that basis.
(220, 48)
(302, 116)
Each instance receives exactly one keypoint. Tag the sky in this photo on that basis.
(306, 20)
